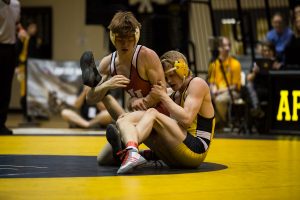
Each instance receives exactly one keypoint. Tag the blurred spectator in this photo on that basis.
(296, 11)
(280, 35)
(28, 46)
(256, 80)
(35, 42)
(293, 48)
(9, 16)
(224, 78)
(81, 115)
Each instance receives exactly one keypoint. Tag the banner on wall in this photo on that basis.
(285, 98)
(51, 84)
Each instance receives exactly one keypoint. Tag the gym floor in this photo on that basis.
(63, 166)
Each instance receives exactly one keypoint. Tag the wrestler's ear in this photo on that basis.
(112, 37)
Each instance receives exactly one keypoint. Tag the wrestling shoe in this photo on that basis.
(114, 139)
(132, 160)
(90, 74)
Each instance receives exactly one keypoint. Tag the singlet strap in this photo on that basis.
(112, 62)
(172, 96)
(135, 55)
(182, 98)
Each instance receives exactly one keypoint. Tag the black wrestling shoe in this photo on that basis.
(90, 74)
(114, 139)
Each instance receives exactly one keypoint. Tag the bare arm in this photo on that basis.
(80, 99)
(96, 94)
(251, 75)
(196, 92)
(153, 72)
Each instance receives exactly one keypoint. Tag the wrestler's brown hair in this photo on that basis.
(124, 23)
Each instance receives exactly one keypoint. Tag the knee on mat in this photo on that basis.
(65, 114)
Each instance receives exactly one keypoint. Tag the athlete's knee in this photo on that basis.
(100, 160)
(121, 121)
(65, 114)
(105, 156)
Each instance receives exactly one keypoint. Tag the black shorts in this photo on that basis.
(195, 144)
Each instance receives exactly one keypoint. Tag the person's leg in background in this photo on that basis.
(103, 119)
(222, 102)
(74, 119)
(261, 121)
(7, 68)
(255, 100)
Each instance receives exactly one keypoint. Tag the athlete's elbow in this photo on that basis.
(185, 123)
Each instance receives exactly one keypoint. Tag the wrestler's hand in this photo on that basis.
(158, 91)
(117, 81)
(138, 104)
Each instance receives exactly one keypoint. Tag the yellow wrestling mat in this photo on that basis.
(234, 169)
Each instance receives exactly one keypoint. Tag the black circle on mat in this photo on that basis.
(46, 166)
